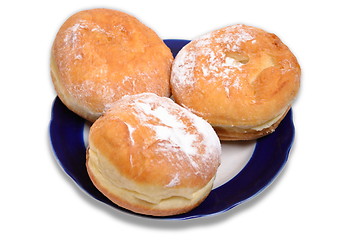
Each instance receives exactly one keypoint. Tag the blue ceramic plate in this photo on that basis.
(268, 158)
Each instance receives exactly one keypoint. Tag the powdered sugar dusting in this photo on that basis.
(195, 143)
(234, 36)
(175, 180)
(182, 69)
(73, 33)
(231, 63)
(172, 129)
(210, 54)
(71, 52)
(87, 88)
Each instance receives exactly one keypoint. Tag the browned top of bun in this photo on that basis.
(153, 141)
(236, 76)
(100, 55)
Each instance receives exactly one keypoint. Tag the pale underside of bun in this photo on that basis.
(139, 198)
(229, 133)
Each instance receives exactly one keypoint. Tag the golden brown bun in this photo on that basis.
(241, 79)
(151, 156)
(100, 55)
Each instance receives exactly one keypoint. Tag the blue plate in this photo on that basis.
(269, 157)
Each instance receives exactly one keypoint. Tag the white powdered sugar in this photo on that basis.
(170, 128)
(72, 38)
(88, 88)
(182, 69)
(72, 43)
(71, 53)
(210, 54)
(231, 63)
(234, 36)
(175, 181)
(195, 143)
(72, 34)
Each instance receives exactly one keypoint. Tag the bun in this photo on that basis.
(151, 156)
(241, 79)
(100, 55)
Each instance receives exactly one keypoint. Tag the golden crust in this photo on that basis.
(236, 77)
(100, 55)
(151, 156)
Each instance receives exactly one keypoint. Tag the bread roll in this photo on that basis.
(100, 55)
(241, 79)
(151, 156)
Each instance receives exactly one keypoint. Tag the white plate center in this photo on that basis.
(234, 157)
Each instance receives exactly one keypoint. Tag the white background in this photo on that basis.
(307, 201)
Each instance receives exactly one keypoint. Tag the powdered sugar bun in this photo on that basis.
(241, 79)
(101, 55)
(151, 156)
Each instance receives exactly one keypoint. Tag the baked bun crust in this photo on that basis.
(100, 55)
(151, 156)
(241, 79)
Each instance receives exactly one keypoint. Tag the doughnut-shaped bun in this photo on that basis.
(241, 79)
(151, 156)
(100, 55)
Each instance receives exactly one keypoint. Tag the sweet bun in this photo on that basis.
(100, 55)
(151, 156)
(241, 79)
